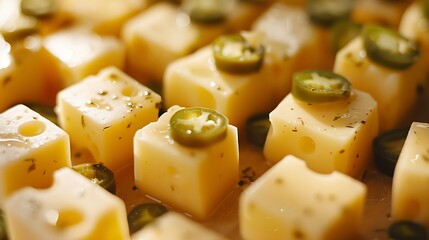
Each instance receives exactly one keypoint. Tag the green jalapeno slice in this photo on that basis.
(407, 230)
(387, 47)
(98, 174)
(3, 233)
(234, 54)
(198, 127)
(343, 32)
(257, 128)
(327, 12)
(387, 147)
(143, 214)
(319, 86)
(206, 11)
(38, 8)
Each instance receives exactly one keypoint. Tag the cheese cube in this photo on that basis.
(328, 136)
(105, 17)
(290, 201)
(72, 208)
(174, 226)
(193, 180)
(410, 200)
(394, 90)
(31, 149)
(102, 112)
(195, 81)
(414, 26)
(78, 53)
(292, 36)
(7, 68)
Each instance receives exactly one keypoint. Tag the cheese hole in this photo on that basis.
(307, 145)
(64, 218)
(129, 92)
(32, 128)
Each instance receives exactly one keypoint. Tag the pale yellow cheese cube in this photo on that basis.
(31, 149)
(102, 112)
(290, 201)
(193, 180)
(175, 226)
(195, 81)
(334, 136)
(104, 16)
(72, 208)
(414, 26)
(410, 199)
(160, 35)
(293, 37)
(77, 53)
(394, 90)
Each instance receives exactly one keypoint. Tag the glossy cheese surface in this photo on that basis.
(290, 201)
(31, 149)
(410, 200)
(175, 226)
(102, 112)
(394, 90)
(72, 208)
(328, 136)
(193, 180)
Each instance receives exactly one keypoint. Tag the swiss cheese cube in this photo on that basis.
(334, 136)
(31, 149)
(410, 200)
(72, 208)
(102, 112)
(195, 81)
(77, 53)
(394, 90)
(414, 25)
(175, 226)
(105, 17)
(291, 35)
(289, 201)
(193, 180)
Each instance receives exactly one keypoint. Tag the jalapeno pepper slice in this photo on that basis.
(98, 174)
(407, 230)
(38, 8)
(143, 214)
(327, 12)
(387, 147)
(387, 47)
(343, 32)
(257, 128)
(198, 127)
(319, 86)
(234, 54)
(206, 11)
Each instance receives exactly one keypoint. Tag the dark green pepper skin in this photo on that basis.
(144, 214)
(99, 174)
(407, 230)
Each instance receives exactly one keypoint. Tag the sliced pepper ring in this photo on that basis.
(319, 86)
(234, 54)
(144, 214)
(327, 12)
(198, 127)
(98, 174)
(387, 47)
(205, 11)
(407, 230)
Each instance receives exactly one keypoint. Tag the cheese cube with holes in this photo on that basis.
(31, 149)
(176, 226)
(394, 90)
(290, 201)
(169, 21)
(195, 81)
(414, 25)
(409, 188)
(105, 17)
(193, 179)
(332, 136)
(72, 208)
(76, 53)
(102, 112)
